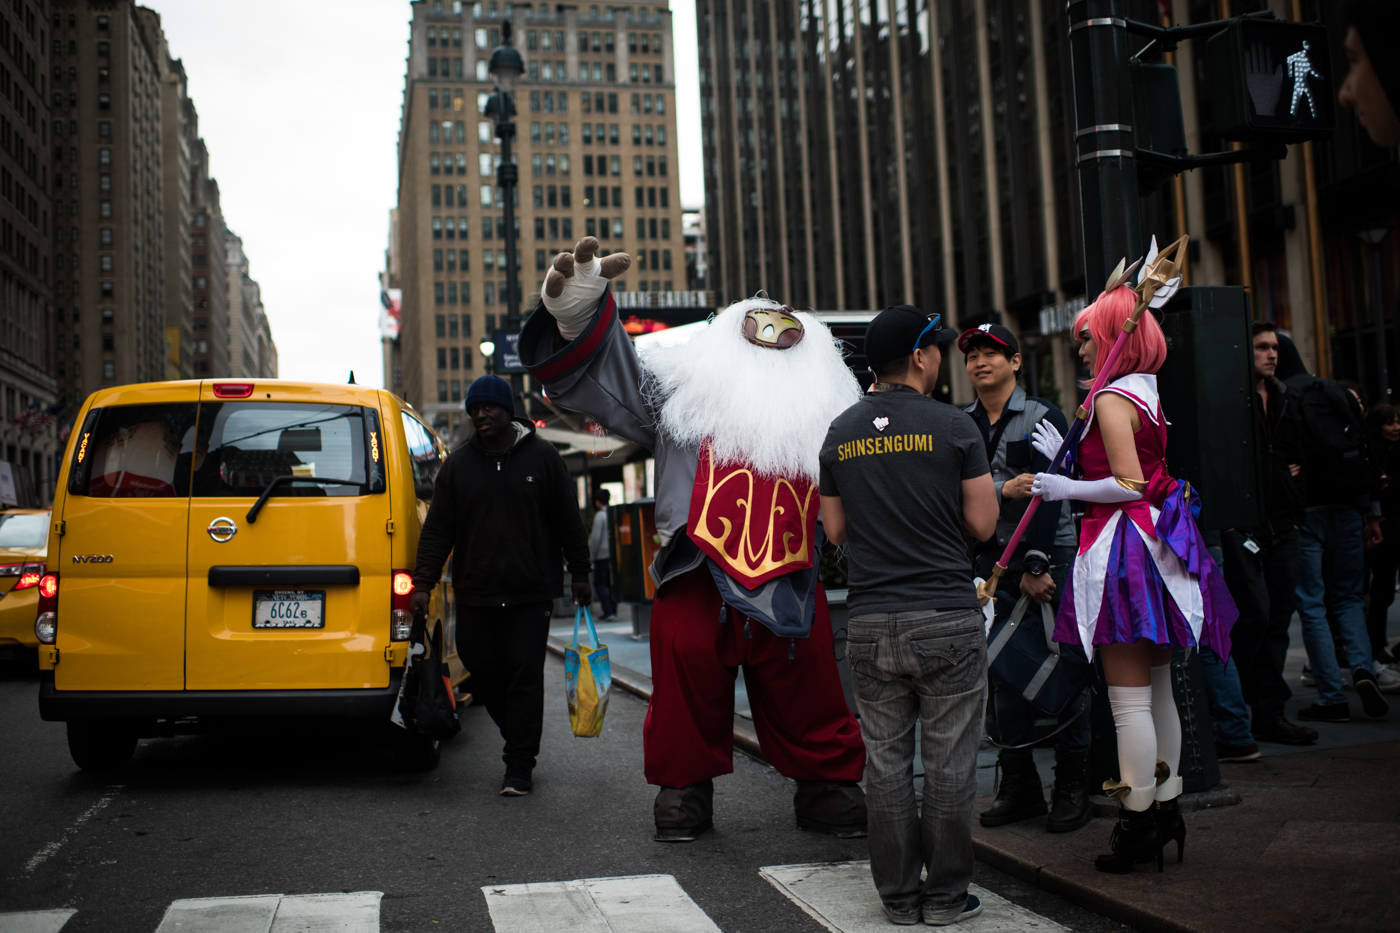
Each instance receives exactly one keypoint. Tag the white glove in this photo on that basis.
(1052, 487)
(1047, 440)
(574, 307)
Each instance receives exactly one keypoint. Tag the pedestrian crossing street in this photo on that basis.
(838, 895)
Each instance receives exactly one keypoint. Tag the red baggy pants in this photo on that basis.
(804, 727)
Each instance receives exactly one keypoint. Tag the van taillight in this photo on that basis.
(401, 602)
(233, 389)
(30, 575)
(46, 625)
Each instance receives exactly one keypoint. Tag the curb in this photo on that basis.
(639, 685)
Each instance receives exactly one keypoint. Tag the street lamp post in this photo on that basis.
(488, 353)
(505, 67)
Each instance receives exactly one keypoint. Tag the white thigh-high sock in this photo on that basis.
(1168, 727)
(1137, 743)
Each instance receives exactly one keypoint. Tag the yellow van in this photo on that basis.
(225, 551)
(24, 533)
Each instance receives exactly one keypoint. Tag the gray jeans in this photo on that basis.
(927, 668)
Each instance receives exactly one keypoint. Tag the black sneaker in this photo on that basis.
(517, 783)
(972, 908)
(1237, 753)
(1284, 732)
(1336, 712)
(1372, 700)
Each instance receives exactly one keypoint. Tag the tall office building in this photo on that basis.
(179, 123)
(859, 155)
(209, 285)
(251, 351)
(27, 347)
(597, 152)
(107, 63)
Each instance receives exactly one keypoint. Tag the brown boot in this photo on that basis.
(683, 813)
(833, 807)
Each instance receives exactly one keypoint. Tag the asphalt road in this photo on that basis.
(308, 813)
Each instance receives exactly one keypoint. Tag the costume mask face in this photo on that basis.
(777, 328)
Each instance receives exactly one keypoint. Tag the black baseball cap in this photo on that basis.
(900, 330)
(993, 332)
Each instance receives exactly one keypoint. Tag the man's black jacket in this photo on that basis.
(509, 519)
(1279, 429)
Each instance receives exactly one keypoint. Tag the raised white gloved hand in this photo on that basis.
(570, 291)
(1045, 438)
(1052, 487)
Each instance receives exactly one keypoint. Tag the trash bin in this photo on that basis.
(635, 543)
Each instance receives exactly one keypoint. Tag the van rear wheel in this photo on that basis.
(419, 753)
(100, 746)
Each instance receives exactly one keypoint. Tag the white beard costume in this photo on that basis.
(764, 407)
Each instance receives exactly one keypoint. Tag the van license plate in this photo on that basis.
(289, 609)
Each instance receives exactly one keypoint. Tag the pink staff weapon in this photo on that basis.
(1157, 282)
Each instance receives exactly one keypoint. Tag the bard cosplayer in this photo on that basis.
(735, 418)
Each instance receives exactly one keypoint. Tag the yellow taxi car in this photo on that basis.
(24, 538)
(223, 552)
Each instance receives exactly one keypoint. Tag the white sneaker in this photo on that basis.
(1308, 679)
(1388, 678)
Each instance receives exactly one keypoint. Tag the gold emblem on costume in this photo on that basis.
(756, 527)
(776, 327)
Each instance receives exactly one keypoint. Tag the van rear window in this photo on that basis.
(243, 446)
(135, 452)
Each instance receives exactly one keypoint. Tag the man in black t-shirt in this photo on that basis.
(903, 477)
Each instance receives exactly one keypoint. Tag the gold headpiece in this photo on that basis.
(777, 328)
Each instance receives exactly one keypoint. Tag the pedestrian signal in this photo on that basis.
(1271, 81)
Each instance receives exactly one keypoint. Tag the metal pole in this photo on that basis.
(1103, 107)
(507, 175)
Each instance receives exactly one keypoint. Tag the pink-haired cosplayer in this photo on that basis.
(1142, 581)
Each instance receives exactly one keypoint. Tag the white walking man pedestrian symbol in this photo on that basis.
(1300, 69)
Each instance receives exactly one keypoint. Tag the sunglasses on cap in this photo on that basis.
(935, 324)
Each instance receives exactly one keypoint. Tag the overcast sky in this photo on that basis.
(300, 111)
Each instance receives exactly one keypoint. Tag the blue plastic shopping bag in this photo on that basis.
(587, 679)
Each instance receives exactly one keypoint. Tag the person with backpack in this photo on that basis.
(1342, 493)
(1006, 415)
(1261, 563)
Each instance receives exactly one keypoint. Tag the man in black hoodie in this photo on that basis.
(505, 507)
(1261, 563)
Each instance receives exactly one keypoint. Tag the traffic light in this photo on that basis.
(1271, 81)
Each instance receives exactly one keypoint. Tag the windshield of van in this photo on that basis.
(135, 451)
(243, 446)
(24, 530)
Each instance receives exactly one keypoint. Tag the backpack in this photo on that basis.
(1334, 435)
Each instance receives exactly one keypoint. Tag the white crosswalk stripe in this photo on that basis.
(275, 913)
(631, 904)
(841, 897)
(35, 921)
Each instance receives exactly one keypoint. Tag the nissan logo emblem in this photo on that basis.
(222, 529)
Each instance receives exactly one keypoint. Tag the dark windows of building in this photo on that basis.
(665, 196)
(539, 228)
(636, 134)
(441, 357)
(661, 163)
(434, 164)
(441, 329)
(109, 368)
(461, 164)
(456, 358)
(104, 157)
(104, 236)
(452, 293)
(451, 260)
(651, 166)
(541, 260)
(464, 255)
(615, 165)
(439, 293)
(641, 230)
(437, 260)
(451, 325)
(437, 195)
(437, 228)
(442, 390)
(432, 99)
(108, 342)
(104, 129)
(456, 391)
(665, 228)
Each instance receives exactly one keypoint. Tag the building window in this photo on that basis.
(662, 163)
(452, 326)
(539, 228)
(104, 262)
(107, 290)
(536, 165)
(104, 156)
(665, 228)
(637, 165)
(442, 390)
(456, 390)
(456, 358)
(451, 261)
(488, 195)
(541, 261)
(104, 129)
(434, 164)
(452, 293)
(439, 295)
(109, 369)
(441, 330)
(437, 228)
(615, 164)
(441, 357)
(437, 195)
(433, 134)
(432, 99)
(104, 236)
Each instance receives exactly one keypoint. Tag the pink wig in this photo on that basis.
(1145, 349)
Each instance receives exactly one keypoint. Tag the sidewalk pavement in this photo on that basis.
(1315, 846)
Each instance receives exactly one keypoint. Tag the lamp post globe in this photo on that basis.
(488, 353)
